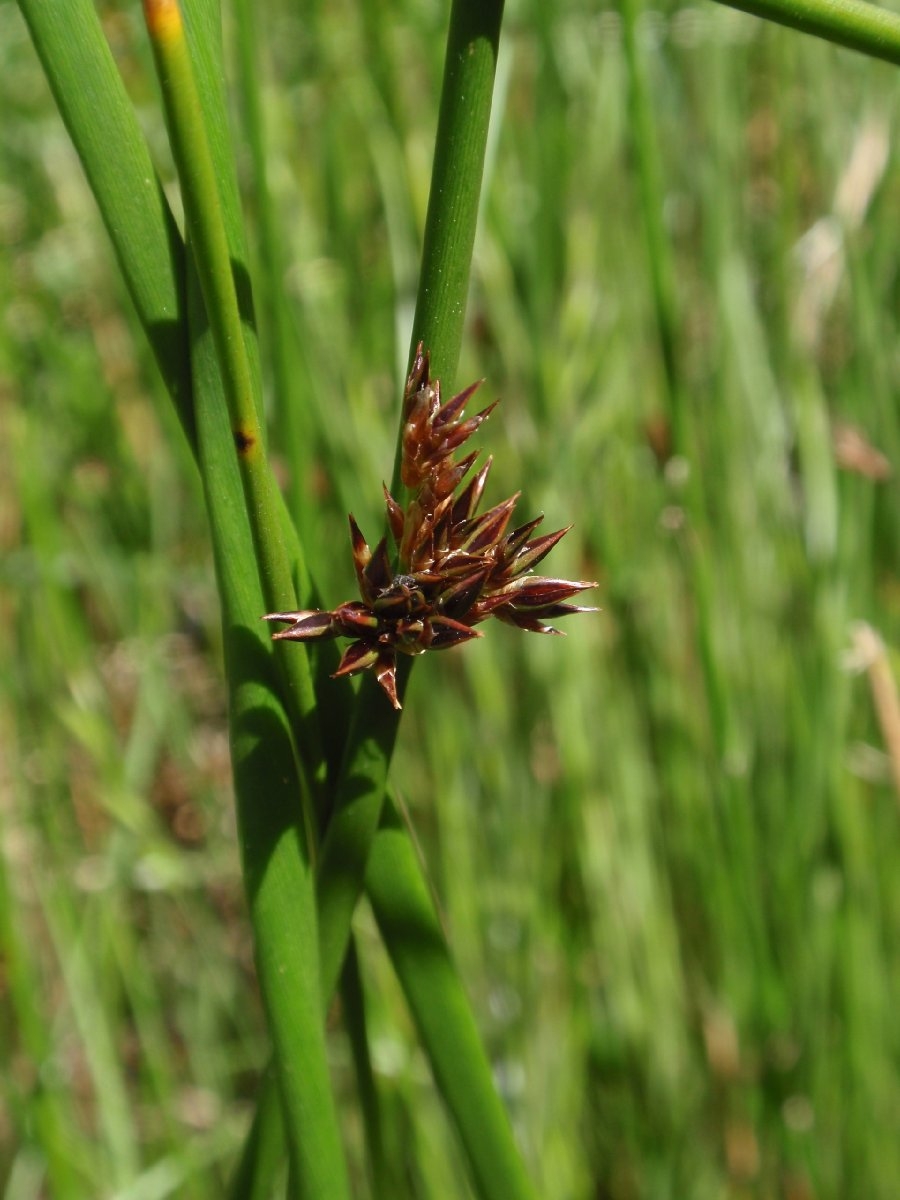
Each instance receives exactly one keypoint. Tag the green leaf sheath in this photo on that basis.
(101, 122)
(851, 23)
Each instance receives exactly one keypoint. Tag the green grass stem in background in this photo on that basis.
(869, 28)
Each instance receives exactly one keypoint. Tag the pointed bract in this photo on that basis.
(536, 550)
(386, 674)
(305, 625)
(395, 516)
(357, 657)
(378, 573)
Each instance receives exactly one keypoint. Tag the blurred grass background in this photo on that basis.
(673, 889)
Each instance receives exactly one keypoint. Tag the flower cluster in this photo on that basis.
(454, 568)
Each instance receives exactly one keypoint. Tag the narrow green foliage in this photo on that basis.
(665, 849)
(206, 231)
(868, 28)
(412, 932)
(262, 1160)
(277, 872)
(353, 1011)
(104, 129)
(276, 850)
(469, 68)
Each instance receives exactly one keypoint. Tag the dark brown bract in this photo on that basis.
(454, 569)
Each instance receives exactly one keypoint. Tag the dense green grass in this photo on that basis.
(667, 846)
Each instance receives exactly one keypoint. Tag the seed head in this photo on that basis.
(454, 569)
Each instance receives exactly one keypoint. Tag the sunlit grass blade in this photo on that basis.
(868, 28)
(277, 870)
(416, 943)
(198, 175)
(105, 131)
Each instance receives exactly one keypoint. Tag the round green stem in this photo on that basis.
(852, 23)
(461, 139)
(216, 274)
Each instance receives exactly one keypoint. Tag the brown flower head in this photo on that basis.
(454, 568)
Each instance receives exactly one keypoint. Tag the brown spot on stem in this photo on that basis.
(243, 441)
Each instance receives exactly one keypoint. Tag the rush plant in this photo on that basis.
(318, 824)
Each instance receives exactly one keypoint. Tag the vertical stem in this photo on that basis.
(411, 930)
(869, 28)
(659, 253)
(262, 1157)
(469, 68)
(275, 844)
(216, 274)
(662, 277)
(353, 1009)
(449, 237)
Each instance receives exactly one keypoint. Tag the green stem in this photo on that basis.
(101, 122)
(287, 372)
(412, 933)
(216, 273)
(275, 845)
(642, 127)
(469, 68)
(851, 23)
(278, 877)
(262, 1157)
(668, 328)
(348, 840)
(461, 139)
(353, 1012)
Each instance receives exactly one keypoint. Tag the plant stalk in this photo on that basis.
(854, 24)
